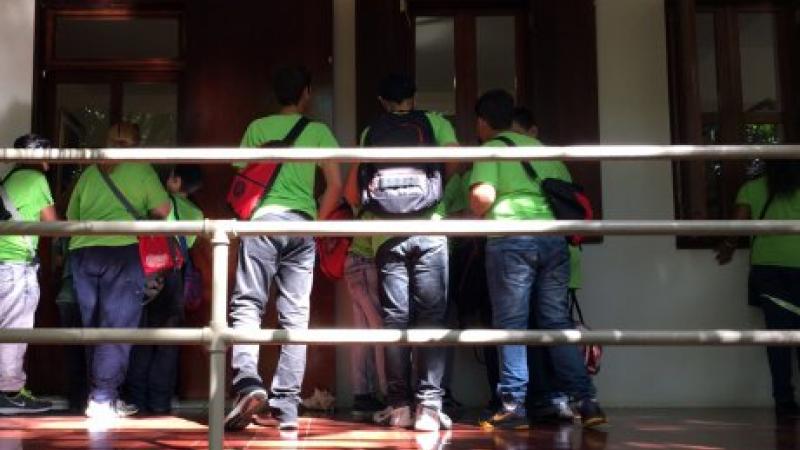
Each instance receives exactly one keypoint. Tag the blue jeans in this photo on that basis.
(527, 269)
(109, 285)
(289, 263)
(412, 274)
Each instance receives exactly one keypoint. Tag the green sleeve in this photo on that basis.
(455, 199)
(484, 173)
(753, 194)
(326, 137)
(155, 194)
(44, 196)
(443, 130)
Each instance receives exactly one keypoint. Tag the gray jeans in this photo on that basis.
(19, 297)
(289, 263)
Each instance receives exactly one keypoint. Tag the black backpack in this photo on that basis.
(404, 188)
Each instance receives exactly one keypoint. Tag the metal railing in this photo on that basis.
(217, 336)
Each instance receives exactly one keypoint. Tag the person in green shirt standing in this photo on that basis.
(286, 261)
(107, 273)
(521, 269)
(25, 197)
(153, 370)
(412, 271)
(774, 267)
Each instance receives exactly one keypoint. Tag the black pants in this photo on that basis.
(778, 289)
(75, 358)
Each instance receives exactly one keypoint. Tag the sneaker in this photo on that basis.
(366, 405)
(394, 417)
(429, 418)
(247, 403)
(591, 413)
(287, 418)
(23, 403)
(114, 409)
(508, 417)
(554, 412)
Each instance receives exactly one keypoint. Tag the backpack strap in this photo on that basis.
(120, 196)
(15, 215)
(296, 131)
(184, 243)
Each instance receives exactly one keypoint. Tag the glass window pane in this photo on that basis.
(154, 107)
(435, 64)
(78, 38)
(707, 62)
(763, 133)
(497, 54)
(83, 114)
(759, 62)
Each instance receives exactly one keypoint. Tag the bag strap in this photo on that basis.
(184, 243)
(120, 196)
(527, 166)
(575, 307)
(296, 131)
(767, 205)
(15, 215)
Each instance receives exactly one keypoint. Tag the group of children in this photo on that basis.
(395, 282)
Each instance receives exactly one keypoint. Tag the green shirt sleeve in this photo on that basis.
(484, 173)
(443, 131)
(154, 195)
(753, 194)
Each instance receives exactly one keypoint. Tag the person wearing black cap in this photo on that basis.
(412, 270)
(25, 197)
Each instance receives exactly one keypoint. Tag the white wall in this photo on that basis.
(16, 68)
(645, 283)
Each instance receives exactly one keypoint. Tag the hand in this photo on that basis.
(724, 251)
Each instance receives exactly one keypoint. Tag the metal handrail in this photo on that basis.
(423, 154)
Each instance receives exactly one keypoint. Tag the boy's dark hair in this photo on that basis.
(783, 177)
(496, 107)
(524, 117)
(397, 88)
(191, 177)
(32, 141)
(289, 83)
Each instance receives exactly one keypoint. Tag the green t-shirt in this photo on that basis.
(443, 134)
(781, 250)
(518, 196)
(293, 189)
(185, 210)
(92, 199)
(455, 197)
(30, 193)
(575, 275)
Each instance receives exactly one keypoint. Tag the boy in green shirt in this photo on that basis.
(412, 271)
(26, 197)
(521, 268)
(288, 261)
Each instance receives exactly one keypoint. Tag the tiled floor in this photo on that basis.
(698, 429)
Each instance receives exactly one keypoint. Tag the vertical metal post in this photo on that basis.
(218, 346)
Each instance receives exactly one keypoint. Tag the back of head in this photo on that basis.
(783, 176)
(523, 118)
(397, 88)
(496, 108)
(191, 177)
(289, 84)
(123, 134)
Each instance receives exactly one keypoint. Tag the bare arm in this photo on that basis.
(351, 193)
(48, 214)
(333, 189)
(481, 199)
(725, 250)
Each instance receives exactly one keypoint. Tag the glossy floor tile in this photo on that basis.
(630, 429)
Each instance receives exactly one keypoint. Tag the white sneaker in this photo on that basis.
(114, 409)
(394, 417)
(429, 418)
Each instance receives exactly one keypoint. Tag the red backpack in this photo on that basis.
(253, 183)
(332, 251)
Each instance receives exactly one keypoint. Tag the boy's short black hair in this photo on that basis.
(496, 107)
(524, 117)
(191, 177)
(289, 83)
(32, 141)
(397, 88)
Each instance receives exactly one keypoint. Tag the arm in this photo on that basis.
(482, 197)
(351, 193)
(333, 189)
(48, 214)
(162, 211)
(725, 250)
